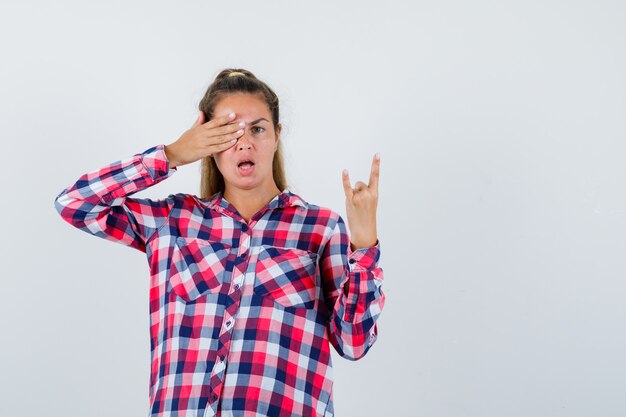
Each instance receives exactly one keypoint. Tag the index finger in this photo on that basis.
(375, 172)
(220, 120)
(345, 180)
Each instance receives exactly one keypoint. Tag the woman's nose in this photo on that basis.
(243, 141)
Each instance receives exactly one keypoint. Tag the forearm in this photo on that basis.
(357, 299)
(98, 202)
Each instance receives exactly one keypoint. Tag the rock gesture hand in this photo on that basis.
(361, 204)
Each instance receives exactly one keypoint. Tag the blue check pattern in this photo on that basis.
(243, 314)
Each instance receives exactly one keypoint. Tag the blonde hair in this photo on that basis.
(229, 81)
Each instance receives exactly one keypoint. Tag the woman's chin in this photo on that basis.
(246, 183)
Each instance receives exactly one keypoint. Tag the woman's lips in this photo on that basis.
(245, 172)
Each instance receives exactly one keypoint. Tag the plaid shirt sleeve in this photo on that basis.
(98, 202)
(352, 285)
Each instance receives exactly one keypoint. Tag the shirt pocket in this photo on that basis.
(198, 266)
(287, 276)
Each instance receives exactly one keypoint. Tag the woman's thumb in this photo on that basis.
(199, 119)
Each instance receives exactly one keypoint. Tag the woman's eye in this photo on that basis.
(258, 127)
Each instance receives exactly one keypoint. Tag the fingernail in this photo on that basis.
(231, 115)
(345, 172)
(377, 156)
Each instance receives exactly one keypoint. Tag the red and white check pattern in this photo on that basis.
(242, 314)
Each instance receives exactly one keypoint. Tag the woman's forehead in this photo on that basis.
(248, 107)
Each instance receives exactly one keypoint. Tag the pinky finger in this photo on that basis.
(223, 146)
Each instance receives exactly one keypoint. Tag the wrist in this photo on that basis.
(361, 245)
(168, 155)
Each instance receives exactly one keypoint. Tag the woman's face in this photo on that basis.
(257, 144)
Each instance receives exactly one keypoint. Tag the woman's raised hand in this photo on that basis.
(361, 204)
(204, 139)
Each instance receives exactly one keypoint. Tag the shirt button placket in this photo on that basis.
(240, 272)
(217, 375)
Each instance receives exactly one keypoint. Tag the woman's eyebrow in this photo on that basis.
(258, 120)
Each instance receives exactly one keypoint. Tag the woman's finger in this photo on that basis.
(347, 188)
(218, 140)
(219, 120)
(360, 185)
(222, 146)
(226, 129)
(374, 174)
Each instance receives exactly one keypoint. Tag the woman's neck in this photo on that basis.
(248, 202)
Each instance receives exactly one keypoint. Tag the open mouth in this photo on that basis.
(245, 165)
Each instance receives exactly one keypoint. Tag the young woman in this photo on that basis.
(249, 283)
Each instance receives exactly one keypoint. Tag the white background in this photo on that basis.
(502, 210)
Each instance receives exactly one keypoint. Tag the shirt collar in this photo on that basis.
(286, 198)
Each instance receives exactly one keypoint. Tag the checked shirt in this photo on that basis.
(242, 314)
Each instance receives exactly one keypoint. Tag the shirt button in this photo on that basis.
(228, 323)
(213, 397)
(244, 227)
(352, 261)
(236, 286)
(243, 255)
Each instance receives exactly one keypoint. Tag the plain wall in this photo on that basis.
(502, 209)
